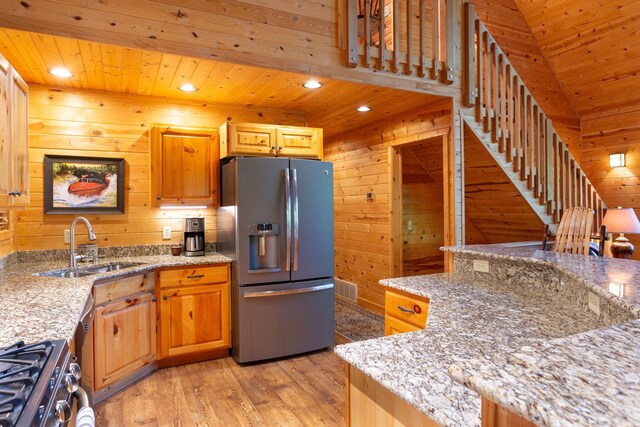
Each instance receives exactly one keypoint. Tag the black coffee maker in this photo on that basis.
(193, 237)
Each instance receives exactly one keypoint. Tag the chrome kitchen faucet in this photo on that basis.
(72, 239)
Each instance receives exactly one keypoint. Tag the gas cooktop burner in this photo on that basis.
(32, 387)
(20, 368)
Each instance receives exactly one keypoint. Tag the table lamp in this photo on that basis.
(621, 221)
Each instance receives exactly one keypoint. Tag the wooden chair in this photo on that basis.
(574, 233)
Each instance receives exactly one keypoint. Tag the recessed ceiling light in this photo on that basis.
(363, 108)
(60, 72)
(188, 87)
(312, 84)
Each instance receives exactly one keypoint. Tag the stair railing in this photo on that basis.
(509, 113)
(411, 37)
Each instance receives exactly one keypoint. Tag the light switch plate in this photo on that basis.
(481, 265)
(166, 232)
(67, 236)
(594, 303)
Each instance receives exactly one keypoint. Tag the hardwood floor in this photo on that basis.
(306, 390)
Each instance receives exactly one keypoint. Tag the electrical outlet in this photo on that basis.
(166, 232)
(481, 266)
(67, 236)
(594, 303)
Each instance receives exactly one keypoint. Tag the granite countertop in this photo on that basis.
(469, 320)
(595, 273)
(591, 378)
(36, 308)
(587, 379)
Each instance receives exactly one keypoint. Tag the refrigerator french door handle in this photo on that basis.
(295, 219)
(287, 191)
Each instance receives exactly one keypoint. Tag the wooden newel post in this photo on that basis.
(352, 33)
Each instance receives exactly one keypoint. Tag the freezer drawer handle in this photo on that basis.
(288, 291)
(196, 276)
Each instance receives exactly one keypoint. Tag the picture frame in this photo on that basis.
(83, 185)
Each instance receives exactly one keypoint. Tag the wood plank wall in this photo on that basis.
(103, 124)
(495, 211)
(362, 227)
(423, 205)
(614, 132)
(507, 25)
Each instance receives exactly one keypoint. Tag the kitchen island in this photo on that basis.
(527, 299)
(38, 308)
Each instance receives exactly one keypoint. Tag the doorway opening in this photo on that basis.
(418, 209)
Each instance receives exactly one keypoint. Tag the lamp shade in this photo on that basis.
(621, 220)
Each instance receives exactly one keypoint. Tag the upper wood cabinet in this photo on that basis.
(14, 140)
(184, 166)
(253, 139)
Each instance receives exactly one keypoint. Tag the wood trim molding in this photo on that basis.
(395, 197)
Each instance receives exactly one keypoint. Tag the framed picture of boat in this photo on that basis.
(83, 185)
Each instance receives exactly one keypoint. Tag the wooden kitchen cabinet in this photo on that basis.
(238, 139)
(299, 142)
(14, 141)
(184, 166)
(125, 337)
(253, 139)
(194, 311)
(371, 404)
(404, 312)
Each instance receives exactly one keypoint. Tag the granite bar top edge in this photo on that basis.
(555, 264)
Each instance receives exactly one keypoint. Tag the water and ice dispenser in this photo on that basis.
(264, 251)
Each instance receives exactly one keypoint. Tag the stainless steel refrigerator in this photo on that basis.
(276, 224)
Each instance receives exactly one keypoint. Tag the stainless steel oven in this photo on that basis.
(38, 384)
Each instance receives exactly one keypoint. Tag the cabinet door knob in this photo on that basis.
(154, 299)
(18, 193)
(158, 198)
(165, 298)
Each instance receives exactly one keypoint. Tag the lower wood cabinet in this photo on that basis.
(194, 319)
(494, 415)
(142, 318)
(194, 310)
(371, 404)
(125, 337)
(404, 312)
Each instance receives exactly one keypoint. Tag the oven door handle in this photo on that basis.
(85, 416)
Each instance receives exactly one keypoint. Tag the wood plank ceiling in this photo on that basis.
(593, 47)
(118, 69)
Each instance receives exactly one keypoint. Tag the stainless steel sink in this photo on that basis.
(89, 271)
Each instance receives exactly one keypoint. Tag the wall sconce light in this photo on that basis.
(616, 160)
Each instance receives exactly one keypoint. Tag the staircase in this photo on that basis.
(506, 118)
